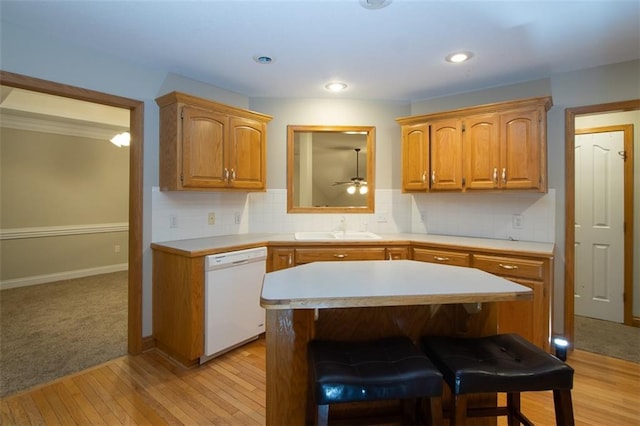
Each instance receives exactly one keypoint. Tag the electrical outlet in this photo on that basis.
(116, 248)
(237, 217)
(517, 222)
(381, 217)
(173, 221)
(211, 218)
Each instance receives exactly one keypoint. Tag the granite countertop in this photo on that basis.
(383, 283)
(211, 245)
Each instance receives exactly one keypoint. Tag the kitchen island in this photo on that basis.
(366, 300)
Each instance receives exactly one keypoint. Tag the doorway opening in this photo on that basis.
(570, 212)
(136, 111)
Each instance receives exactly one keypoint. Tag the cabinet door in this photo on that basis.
(446, 155)
(203, 148)
(397, 253)
(481, 152)
(521, 150)
(247, 153)
(281, 258)
(525, 317)
(415, 157)
(445, 257)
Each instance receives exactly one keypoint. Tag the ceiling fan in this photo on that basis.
(356, 183)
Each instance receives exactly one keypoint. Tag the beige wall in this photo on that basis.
(67, 182)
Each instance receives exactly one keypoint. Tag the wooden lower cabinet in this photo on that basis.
(178, 286)
(526, 317)
(178, 306)
(529, 318)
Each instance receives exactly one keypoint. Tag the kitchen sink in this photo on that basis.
(335, 235)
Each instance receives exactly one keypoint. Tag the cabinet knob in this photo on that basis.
(226, 174)
(504, 175)
(433, 176)
(424, 177)
(290, 259)
(340, 256)
(441, 259)
(495, 175)
(233, 175)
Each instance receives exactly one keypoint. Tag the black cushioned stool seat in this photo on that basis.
(384, 369)
(501, 363)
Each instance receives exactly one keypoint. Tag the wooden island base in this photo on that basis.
(289, 330)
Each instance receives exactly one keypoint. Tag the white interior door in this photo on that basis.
(599, 226)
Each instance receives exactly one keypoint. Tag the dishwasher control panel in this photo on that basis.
(228, 258)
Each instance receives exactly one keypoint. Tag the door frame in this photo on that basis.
(569, 252)
(136, 160)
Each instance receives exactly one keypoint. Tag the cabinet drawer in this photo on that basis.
(441, 256)
(510, 266)
(337, 253)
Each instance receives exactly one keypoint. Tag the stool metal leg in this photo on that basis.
(563, 407)
(322, 415)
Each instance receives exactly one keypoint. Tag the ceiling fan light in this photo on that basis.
(363, 189)
(351, 189)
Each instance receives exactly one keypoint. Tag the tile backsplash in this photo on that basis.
(184, 215)
(487, 215)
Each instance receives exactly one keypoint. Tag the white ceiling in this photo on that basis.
(393, 53)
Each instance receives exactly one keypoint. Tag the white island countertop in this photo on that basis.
(383, 283)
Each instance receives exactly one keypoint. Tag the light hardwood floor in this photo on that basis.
(148, 389)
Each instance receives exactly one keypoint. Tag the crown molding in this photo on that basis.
(47, 124)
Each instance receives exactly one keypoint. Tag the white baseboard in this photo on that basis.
(59, 276)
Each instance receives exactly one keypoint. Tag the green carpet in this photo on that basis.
(50, 330)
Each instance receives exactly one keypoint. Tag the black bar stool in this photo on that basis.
(501, 363)
(386, 369)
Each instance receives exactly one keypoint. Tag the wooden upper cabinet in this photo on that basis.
(481, 152)
(203, 148)
(205, 145)
(415, 157)
(501, 146)
(521, 150)
(247, 153)
(446, 155)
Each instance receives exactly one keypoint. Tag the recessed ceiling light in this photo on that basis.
(336, 86)
(458, 57)
(263, 59)
(374, 4)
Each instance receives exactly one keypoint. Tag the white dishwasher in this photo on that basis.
(232, 312)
